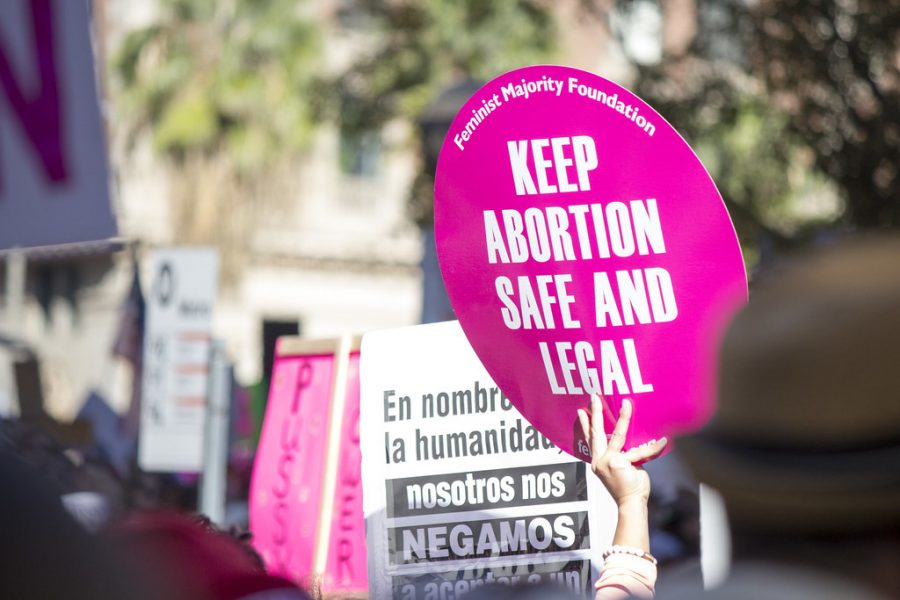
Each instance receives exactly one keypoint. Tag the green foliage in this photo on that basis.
(420, 46)
(226, 77)
(769, 175)
(832, 67)
(761, 168)
(798, 120)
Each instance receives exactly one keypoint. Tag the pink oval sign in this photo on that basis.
(585, 248)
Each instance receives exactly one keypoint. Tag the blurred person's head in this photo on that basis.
(45, 554)
(90, 489)
(805, 444)
(199, 560)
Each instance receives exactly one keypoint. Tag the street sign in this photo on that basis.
(176, 358)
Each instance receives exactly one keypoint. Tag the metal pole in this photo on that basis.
(12, 325)
(715, 538)
(215, 439)
(16, 269)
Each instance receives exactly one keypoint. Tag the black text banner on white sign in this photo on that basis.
(459, 489)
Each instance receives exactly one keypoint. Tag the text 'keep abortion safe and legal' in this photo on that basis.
(578, 232)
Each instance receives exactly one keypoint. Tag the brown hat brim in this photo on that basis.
(824, 491)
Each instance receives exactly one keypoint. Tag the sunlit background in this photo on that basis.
(298, 138)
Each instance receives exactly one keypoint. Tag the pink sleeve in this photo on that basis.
(624, 576)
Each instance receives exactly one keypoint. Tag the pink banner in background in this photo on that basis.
(346, 567)
(286, 489)
(289, 475)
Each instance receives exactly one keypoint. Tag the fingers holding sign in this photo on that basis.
(620, 431)
(592, 429)
(618, 470)
(646, 451)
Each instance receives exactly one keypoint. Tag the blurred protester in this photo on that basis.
(89, 487)
(805, 446)
(197, 559)
(46, 555)
(674, 515)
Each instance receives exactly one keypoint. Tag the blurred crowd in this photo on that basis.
(803, 449)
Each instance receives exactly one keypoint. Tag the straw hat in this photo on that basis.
(807, 433)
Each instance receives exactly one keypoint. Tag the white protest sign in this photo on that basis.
(176, 358)
(53, 174)
(458, 489)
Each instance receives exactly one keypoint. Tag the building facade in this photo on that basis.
(327, 249)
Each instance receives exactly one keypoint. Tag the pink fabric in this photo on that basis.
(624, 576)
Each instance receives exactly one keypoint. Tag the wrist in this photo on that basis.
(632, 503)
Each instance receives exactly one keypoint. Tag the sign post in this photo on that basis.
(460, 490)
(16, 277)
(176, 359)
(213, 483)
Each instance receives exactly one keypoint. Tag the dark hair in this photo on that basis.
(240, 536)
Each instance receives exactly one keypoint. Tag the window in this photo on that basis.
(360, 153)
(272, 330)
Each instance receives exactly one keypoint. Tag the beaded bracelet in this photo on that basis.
(630, 551)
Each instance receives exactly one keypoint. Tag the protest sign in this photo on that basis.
(53, 173)
(306, 491)
(585, 249)
(176, 358)
(459, 489)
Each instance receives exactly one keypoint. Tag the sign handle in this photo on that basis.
(16, 270)
(215, 440)
(332, 455)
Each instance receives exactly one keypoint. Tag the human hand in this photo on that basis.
(618, 470)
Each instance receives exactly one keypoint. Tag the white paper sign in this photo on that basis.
(53, 175)
(176, 358)
(458, 489)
